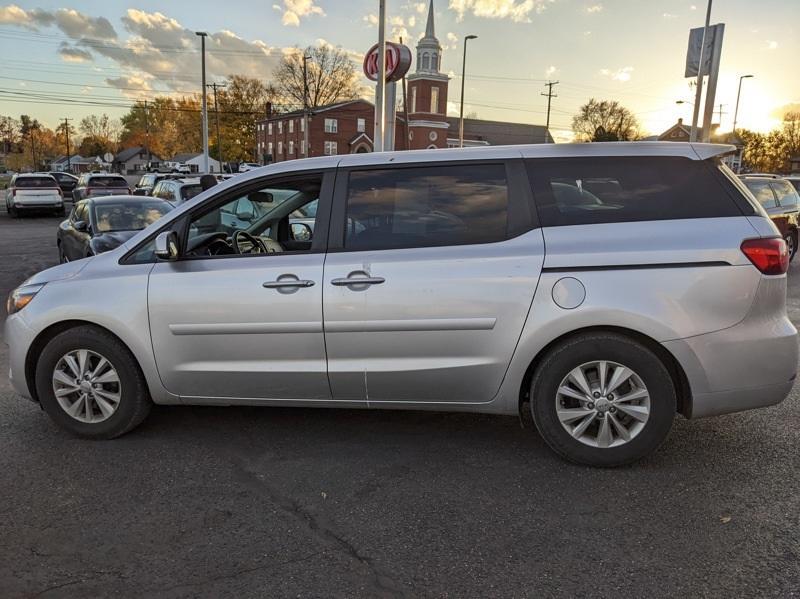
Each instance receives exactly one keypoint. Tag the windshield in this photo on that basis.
(35, 182)
(128, 215)
(107, 182)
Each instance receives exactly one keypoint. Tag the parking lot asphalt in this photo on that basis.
(270, 502)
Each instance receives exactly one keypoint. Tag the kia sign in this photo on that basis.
(398, 61)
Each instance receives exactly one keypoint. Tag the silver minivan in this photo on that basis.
(601, 288)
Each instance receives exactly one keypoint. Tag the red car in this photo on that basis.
(781, 201)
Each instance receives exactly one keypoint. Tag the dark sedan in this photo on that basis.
(66, 182)
(97, 225)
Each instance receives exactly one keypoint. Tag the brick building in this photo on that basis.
(348, 127)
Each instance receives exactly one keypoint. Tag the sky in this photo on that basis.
(71, 58)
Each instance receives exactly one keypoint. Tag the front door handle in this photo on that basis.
(351, 281)
(288, 283)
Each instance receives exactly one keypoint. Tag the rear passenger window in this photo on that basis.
(787, 195)
(579, 191)
(762, 191)
(426, 206)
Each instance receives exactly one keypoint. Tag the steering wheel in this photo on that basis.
(258, 244)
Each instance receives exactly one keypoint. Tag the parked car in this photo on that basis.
(794, 180)
(98, 225)
(463, 280)
(780, 199)
(28, 192)
(177, 191)
(66, 182)
(175, 167)
(100, 184)
(245, 167)
(145, 185)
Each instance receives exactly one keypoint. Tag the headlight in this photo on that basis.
(21, 297)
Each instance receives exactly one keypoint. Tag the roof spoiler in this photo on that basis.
(706, 151)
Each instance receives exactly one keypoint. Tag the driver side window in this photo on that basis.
(279, 217)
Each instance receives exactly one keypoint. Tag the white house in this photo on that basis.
(195, 162)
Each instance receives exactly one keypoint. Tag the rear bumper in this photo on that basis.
(750, 365)
(38, 204)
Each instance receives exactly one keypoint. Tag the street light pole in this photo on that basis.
(379, 142)
(214, 86)
(738, 95)
(202, 35)
(463, 79)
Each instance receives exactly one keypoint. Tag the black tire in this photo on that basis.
(135, 402)
(62, 257)
(13, 212)
(791, 243)
(613, 347)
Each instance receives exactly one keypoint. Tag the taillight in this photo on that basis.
(770, 256)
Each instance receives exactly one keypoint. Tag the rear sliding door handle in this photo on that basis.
(351, 281)
(288, 284)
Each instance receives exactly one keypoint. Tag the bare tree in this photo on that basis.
(605, 120)
(330, 72)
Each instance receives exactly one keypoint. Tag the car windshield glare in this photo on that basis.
(107, 182)
(128, 216)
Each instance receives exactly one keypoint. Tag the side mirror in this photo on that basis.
(301, 232)
(245, 215)
(166, 246)
(80, 225)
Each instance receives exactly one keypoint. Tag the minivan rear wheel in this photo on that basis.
(89, 383)
(603, 399)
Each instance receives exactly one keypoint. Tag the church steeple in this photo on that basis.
(429, 26)
(429, 50)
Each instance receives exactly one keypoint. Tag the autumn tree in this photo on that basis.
(791, 133)
(241, 102)
(101, 135)
(605, 120)
(764, 152)
(331, 76)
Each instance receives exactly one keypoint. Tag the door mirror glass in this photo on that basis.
(81, 226)
(166, 246)
(244, 214)
(301, 232)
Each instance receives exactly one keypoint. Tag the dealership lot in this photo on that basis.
(301, 502)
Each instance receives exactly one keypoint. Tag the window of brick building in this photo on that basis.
(291, 126)
(434, 99)
(331, 148)
(331, 126)
(361, 125)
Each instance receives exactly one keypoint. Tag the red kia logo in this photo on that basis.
(398, 61)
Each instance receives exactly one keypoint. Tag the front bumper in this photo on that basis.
(19, 338)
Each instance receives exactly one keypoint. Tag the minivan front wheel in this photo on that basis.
(603, 399)
(89, 383)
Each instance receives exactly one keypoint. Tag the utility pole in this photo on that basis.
(550, 95)
(66, 134)
(720, 112)
(147, 136)
(214, 86)
(202, 35)
(307, 151)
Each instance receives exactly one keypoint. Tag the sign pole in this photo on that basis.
(379, 144)
(699, 91)
(713, 76)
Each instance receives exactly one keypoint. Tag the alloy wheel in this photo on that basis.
(602, 404)
(86, 386)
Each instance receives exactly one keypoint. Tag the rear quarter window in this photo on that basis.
(787, 194)
(762, 191)
(578, 191)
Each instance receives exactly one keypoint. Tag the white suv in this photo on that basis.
(34, 191)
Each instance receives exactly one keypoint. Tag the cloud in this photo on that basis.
(132, 86)
(72, 54)
(550, 71)
(294, 10)
(516, 10)
(452, 41)
(623, 74)
(73, 24)
(594, 8)
(667, 15)
(772, 45)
